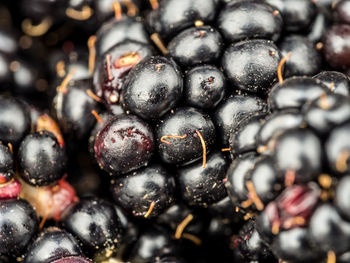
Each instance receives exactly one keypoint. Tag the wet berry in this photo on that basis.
(146, 192)
(52, 244)
(124, 143)
(205, 87)
(236, 23)
(203, 186)
(18, 225)
(196, 45)
(252, 65)
(184, 136)
(152, 88)
(42, 160)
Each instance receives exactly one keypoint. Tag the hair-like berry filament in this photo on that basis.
(280, 65)
(163, 138)
(181, 227)
(150, 209)
(204, 148)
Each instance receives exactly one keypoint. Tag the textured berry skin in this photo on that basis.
(265, 179)
(342, 197)
(329, 230)
(152, 88)
(73, 109)
(18, 224)
(275, 124)
(304, 60)
(201, 187)
(154, 242)
(337, 47)
(42, 160)
(327, 112)
(52, 244)
(115, 31)
(297, 15)
(243, 137)
(196, 45)
(101, 227)
(113, 66)
(72, 260)
(184, 122)
(172, 16)
(248, 19)
(295, 92)
(136, 191)
(342, 12)
(337, 148)
(233, 110)
(236, 174)
(294, 245)
(337, 82)
(6, 164)
(298, 151)
(205, 87)
(14, 121)
(125, 143)
(251, 65)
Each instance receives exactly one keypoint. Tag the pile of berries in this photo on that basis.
(175, 131)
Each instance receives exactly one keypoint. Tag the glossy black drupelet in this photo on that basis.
(251, 65)
(113, 67)
(6, 164)
(304, 60)
(265, 179)
(52, 244)
(243, 20)
(205, 87)
(275, 124)
(337, 149)
(135, 192)
(14, 120)
(203, 186)
(100, 227)
(336, 81)
(73, 109)
(327, 112)
(172, 16)
(298, 151)
(295, 92)
(18, 224)
(187, 123)
(42, 161)
(337, 46)
(231, 111)
(152, 88)
(196, 45)
(297, 15)
(341, 199)
(236, 174)
(329, 230)
(153, 243)
(115, 31)
(294, 245)
(123, 144)
(243, 136)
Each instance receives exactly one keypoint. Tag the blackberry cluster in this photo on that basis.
(175, 131)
